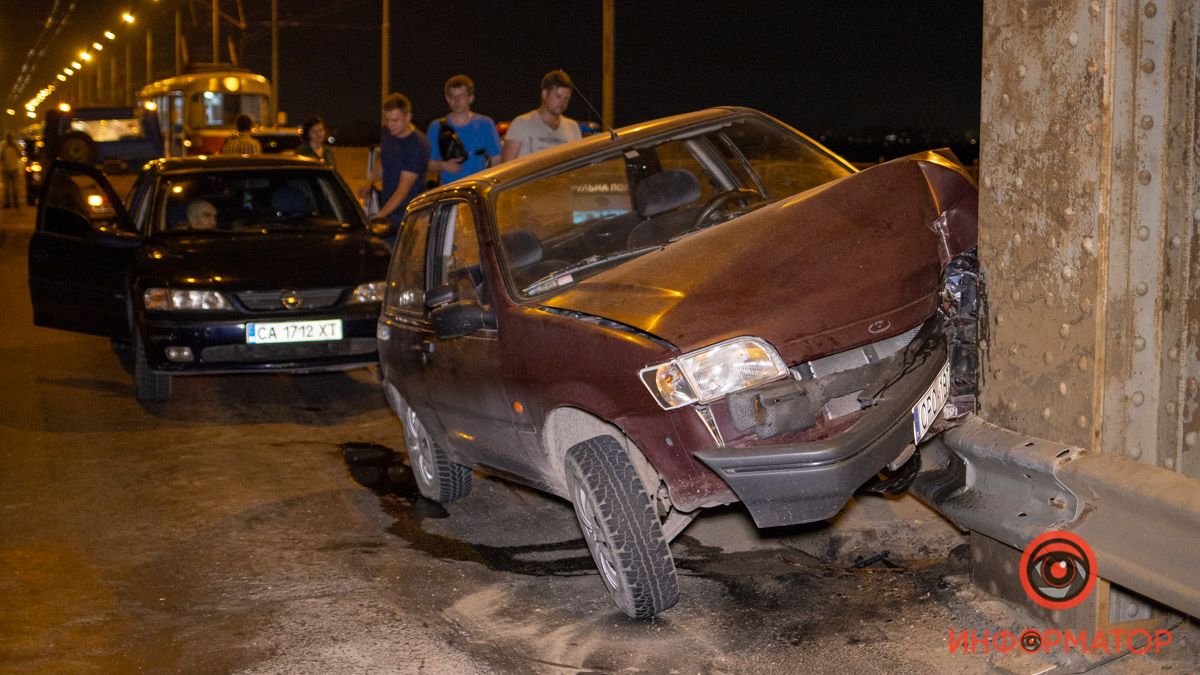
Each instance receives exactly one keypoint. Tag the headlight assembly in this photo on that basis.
(166, 299)
(372, 292)
(708, 374)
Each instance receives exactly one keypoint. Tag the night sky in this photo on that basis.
(821, 66)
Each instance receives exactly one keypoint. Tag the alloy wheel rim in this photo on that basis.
(599, 546)
(419, 447)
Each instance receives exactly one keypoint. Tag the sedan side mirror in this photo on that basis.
(380, 227)
(457, 319)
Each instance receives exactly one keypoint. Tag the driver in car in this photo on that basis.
(201, 215)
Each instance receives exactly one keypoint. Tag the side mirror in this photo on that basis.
(458, 319)
(380, 227)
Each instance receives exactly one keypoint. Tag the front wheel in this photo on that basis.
(620, 525)
(437, 477)
(147, 384)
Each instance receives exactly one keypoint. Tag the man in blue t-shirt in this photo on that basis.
(403, 160)
(477, 134)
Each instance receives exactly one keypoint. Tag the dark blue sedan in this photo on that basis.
(212, 265)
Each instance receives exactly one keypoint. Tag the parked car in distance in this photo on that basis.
(702, 309)
(30, 140)
(213, 265)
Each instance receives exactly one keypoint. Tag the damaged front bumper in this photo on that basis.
(805, 482)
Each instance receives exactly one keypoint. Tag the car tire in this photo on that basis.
(621, 527)
(148, 385)
(437, 477)
(78, 147)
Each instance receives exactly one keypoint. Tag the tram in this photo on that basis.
(196, 110)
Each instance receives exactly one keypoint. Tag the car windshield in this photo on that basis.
(556, 229)
(255, 200)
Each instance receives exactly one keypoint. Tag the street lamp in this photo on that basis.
(127, 17)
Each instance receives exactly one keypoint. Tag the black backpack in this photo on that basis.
(449, 144)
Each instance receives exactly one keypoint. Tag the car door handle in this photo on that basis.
(425, 347)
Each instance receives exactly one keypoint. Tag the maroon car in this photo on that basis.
(684, 313)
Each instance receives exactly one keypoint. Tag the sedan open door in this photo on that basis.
(79, 254)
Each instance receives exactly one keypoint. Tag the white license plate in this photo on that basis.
(272, 332)
(930, 406)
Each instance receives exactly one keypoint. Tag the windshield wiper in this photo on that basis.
(587, 263)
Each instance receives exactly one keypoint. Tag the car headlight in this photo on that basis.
(708, 374)
(167, 299)
(372, 292)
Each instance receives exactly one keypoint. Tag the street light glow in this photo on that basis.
(97, 46)
(127, 17)
(68, 71)
(76, 65)
(110, 35)
(62, 78)
(85, 56)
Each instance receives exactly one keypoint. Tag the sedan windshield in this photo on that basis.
(260, 200)
(556, 229)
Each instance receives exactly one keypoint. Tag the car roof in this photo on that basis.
(225, 162)
(600, 143)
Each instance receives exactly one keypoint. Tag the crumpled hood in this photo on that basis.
(300, 259)
(841, 265)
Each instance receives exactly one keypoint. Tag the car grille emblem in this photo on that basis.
(878, 327)
(291, 300)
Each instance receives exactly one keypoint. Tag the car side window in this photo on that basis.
(459, 261)
(81, 196)
(406, 277)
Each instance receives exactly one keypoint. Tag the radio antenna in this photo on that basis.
(612, 133)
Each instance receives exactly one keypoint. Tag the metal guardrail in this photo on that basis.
(1142, 522)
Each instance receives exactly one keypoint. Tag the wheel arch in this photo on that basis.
(567, 426)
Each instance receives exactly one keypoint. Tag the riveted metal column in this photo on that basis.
(1089, 224)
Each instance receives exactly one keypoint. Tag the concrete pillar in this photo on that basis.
(1090, 212)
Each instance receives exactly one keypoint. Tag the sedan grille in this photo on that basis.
(857, 357)
(293, 351)
(269, 301)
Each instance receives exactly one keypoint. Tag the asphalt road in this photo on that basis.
(262, 524)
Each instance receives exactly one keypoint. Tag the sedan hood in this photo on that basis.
(299, 259)
(841, 265)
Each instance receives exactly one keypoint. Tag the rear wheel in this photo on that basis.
(621, 527)
(437, 477)
(147, 384)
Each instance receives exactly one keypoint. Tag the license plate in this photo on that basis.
(320, 330)
(930, 406)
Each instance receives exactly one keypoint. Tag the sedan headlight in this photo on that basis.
(372, 292)
(708, 374)
(167, 299)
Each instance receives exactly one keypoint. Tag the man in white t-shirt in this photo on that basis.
(545, 127)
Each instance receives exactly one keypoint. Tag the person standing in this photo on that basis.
(241, 142)
(545, 127)
(314, 135)
(10, 161)
(403, 161)
(478, 144)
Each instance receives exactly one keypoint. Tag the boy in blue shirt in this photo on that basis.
(477, 136)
